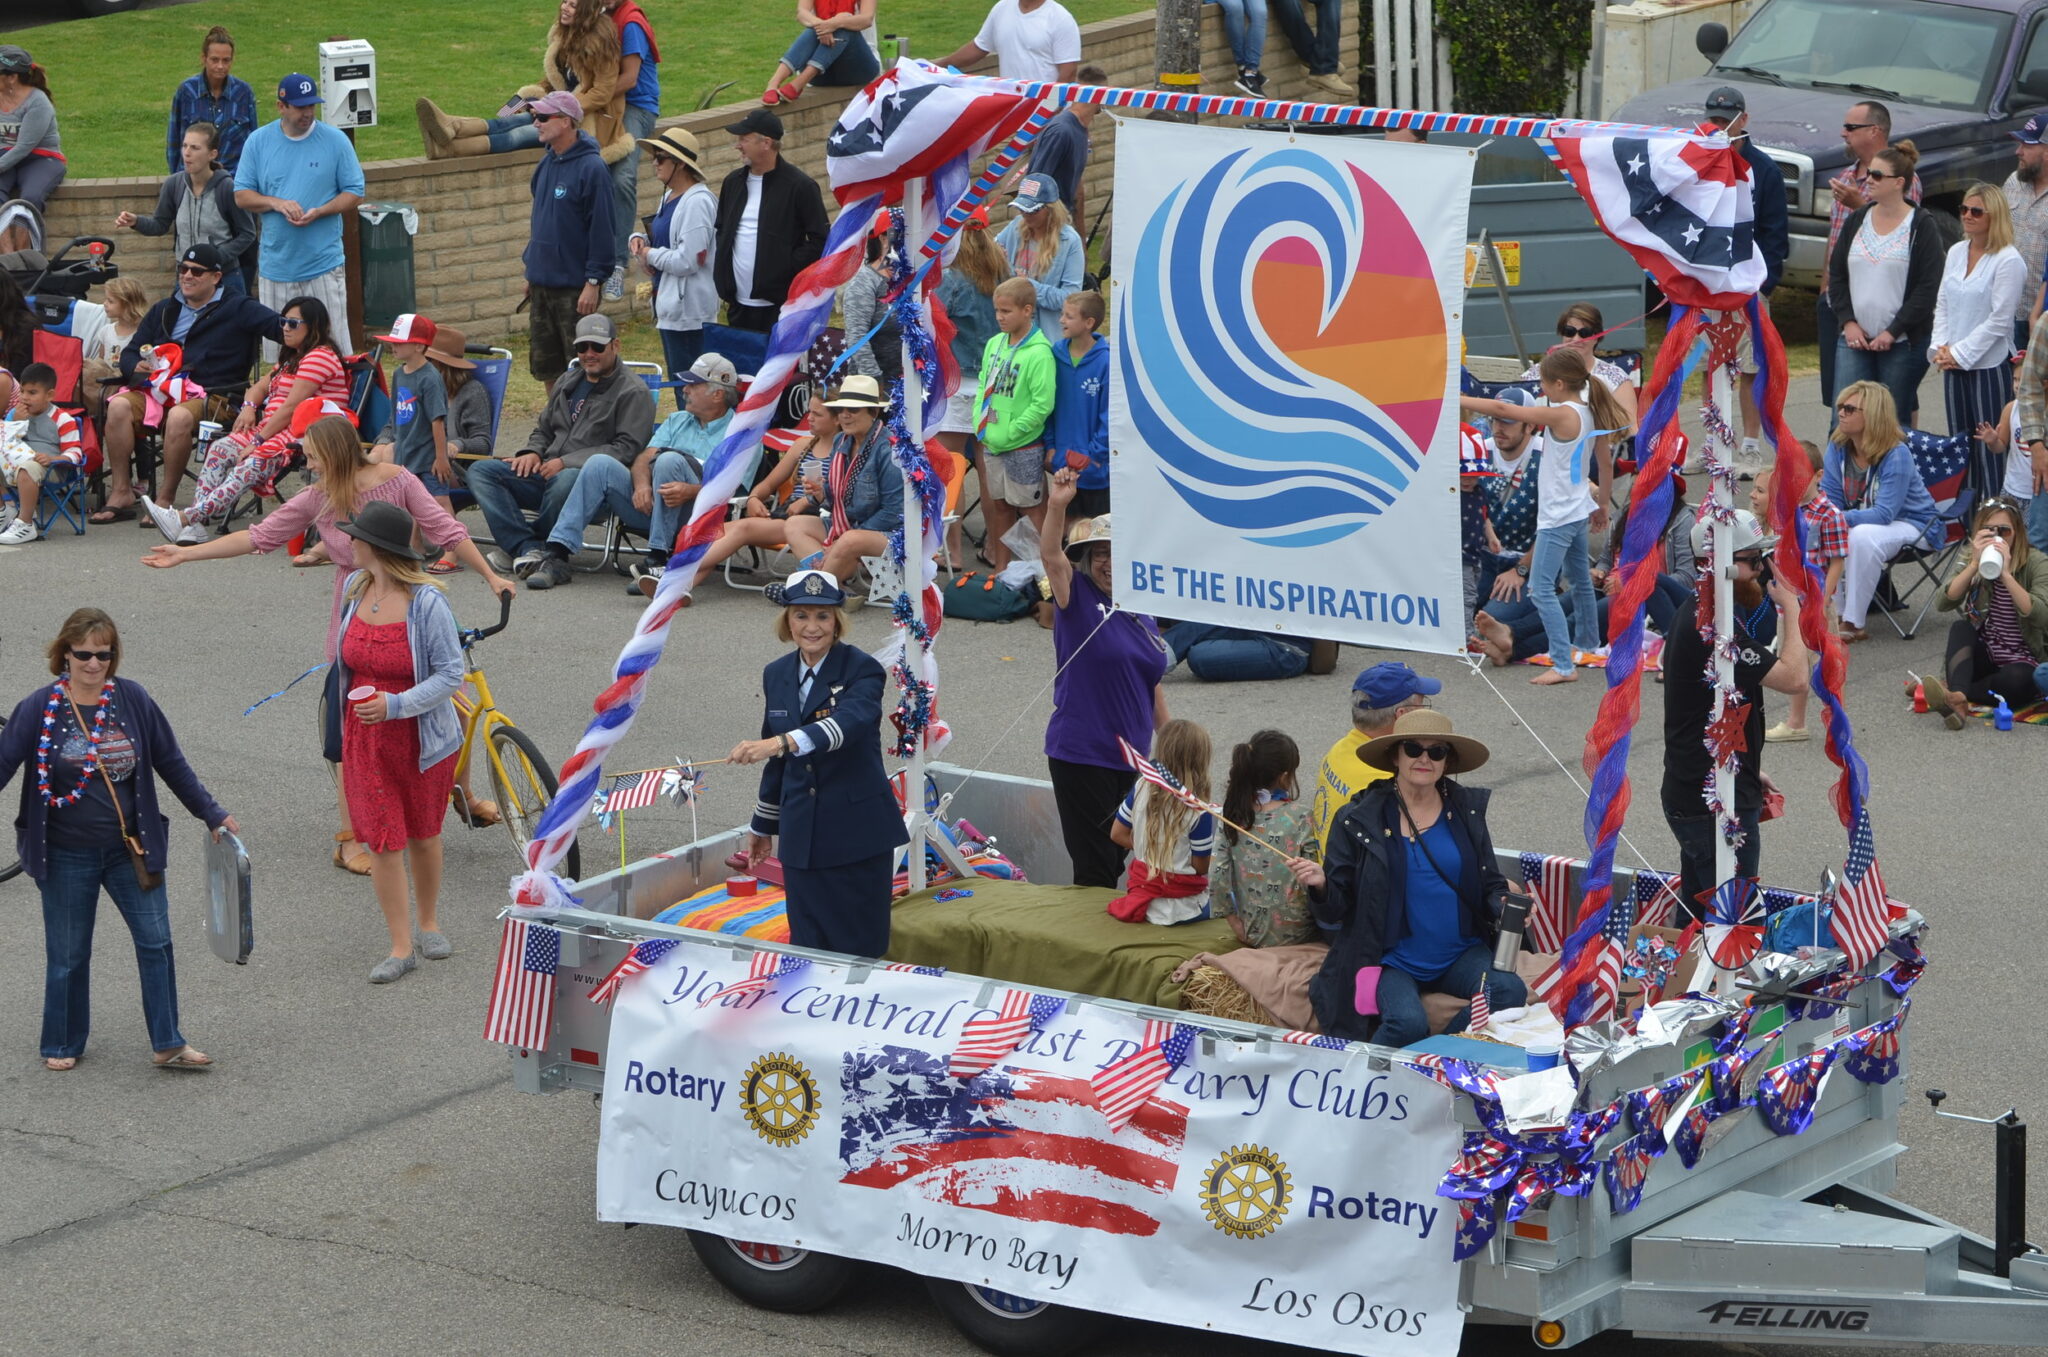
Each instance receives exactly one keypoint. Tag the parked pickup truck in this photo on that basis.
(1957, 77)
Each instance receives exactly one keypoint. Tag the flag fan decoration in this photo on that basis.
(1682, 205)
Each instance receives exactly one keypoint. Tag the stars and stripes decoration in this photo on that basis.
(1656, 896)
(1482, 1011)
(910, 968)
(1460, 1076)
(1735, 923)
(1478, 1222)
(763, 970)
(632, 791)
(1944, 464)
(1128, 1083)
(1548, 881)
(1485, 1165)
(639, 957)
(988, 1037)
(1860, 921)
(1625, 1170)
(1872, 1053)
(1151, 772)
(1315, 1039)
(522, 1005)
(1785, 1096)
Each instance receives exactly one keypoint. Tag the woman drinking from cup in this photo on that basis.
(2001, 589)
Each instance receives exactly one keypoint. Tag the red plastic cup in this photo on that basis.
(741, 885)
(362, 692)
(1919, 700)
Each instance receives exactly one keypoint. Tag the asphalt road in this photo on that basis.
(357, 1175)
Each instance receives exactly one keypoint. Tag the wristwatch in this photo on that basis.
(593, 282)
(1522, 569)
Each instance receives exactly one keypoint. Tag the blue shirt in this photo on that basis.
(1062, 152)
(187, 313)
(309, 172)
(646, 91)
(682, 432)
(1435, 939)
(417, 400)
(233, 113)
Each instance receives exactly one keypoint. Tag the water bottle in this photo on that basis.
(2002, 717)
(1991, 563)
(1514, 919)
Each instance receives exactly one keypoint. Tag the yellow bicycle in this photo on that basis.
(522, 781)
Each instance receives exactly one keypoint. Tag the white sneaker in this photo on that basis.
(193, 534)
(615, 286)
(18, 532)
(498, 560)
(1752, 450)
(528, 561)
(169, 522)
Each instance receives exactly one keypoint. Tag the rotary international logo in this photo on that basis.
(1245, 1192)
(779, 1099)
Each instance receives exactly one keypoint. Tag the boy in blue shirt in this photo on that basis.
(417, 436)
(1080, 403)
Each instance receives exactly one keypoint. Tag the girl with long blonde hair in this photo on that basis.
(1169, 880)
(1042, 245)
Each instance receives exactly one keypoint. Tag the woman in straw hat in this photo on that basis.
(676, 250)
(1409, 883)
(862, 489)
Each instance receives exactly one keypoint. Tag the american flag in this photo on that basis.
(1315, 1039)
(639, 957)
(1656, 898)
(1129, 1082)
(632, 791)
(1482, 1011)
(1624, 1172)
(1604, 988)
(1944, 464)
(1024, 1144)
(762, 971)
(1548, 881)
(989, 1038)
(1159, 777)
(911, 969)
(1860, 919)
(522, 1007)
(1735, 923)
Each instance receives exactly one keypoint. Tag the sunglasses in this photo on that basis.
(93, 656)
(194, 271)
(1748, 558)
(1576, 331)
(588, 347)
(1968, 211)
(548, 117)
(1848, 409)
(292, 323)
(1877, 176)
(1435, 753)
(1856, 127)
(2001, 529)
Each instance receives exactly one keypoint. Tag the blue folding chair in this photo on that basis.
(493, 372)
(1943, 464)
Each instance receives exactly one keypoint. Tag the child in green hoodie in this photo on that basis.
(1010, 411)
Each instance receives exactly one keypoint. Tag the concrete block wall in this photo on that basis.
(473, 211)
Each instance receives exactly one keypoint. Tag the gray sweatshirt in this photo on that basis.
(30, 128)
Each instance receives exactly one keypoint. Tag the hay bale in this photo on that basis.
(1210, 991)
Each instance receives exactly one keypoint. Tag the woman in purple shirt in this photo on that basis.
(1105, 686)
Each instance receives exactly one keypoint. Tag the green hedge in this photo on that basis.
(1515, 56)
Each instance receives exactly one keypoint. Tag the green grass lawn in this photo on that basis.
(113, 77)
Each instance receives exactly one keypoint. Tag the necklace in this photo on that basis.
(376, 604)
(58, 695)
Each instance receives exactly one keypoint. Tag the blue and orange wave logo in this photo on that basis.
(1283, 347)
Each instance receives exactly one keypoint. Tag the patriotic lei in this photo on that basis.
(92, 758)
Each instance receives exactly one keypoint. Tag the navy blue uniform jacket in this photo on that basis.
(831, 806)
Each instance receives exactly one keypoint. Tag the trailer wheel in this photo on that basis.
(1012, 1326)
(772, 1277)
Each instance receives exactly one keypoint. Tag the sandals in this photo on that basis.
(60, 1064)
(121, 513)
(444, 567)
(478, 814)
(357, 862)
(184, 1058)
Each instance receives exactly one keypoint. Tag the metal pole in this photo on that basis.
(2011, 1135)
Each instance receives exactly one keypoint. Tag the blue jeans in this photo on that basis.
(848, 61)
(1696, 835)
(626, 184)
(605, 490)
(507, 498)
(1226, 655)
(1245, 22)
(515, 133)
(1562, 552)
(1402, 1019)
(2040, 680)
(1898, 369)
(71, 899)
(1317, 48)
(2036, 513)
(679, 349)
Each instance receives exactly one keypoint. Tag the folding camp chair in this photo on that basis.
(63, 489)
(1944, 465)
(885, 582)
(493, 372)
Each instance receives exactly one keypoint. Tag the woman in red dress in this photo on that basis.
(401, 662)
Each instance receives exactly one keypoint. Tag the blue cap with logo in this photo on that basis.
(298, 91)
(1389, 684)
(2031, 133)
(815, 588)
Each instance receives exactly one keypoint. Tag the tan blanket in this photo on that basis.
(1277, 977)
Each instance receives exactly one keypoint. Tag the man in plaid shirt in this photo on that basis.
(1866, 130)
(1827, 549)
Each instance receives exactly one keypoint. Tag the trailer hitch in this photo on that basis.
(2009, 1133)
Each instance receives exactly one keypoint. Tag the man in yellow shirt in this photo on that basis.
(1379, 695)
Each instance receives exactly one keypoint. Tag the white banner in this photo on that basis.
(1284, 379)
(1285, 1193)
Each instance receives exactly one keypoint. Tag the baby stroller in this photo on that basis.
(52, 283)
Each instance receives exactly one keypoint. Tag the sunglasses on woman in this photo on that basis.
(1435, 753)
(1848, 409)
(1968, 211)
(1576, 332)
(292, 323)
(93, 656)
(1875, 175)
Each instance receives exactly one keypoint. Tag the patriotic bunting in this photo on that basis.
(1127, 1084)
(1785, 1096)
(989, 1038)
(1873, 1051)
(1625, 1170)
(641, 956)
(763, 970)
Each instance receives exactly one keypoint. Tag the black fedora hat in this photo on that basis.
(384, 526)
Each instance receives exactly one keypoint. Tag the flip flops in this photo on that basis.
(121, 513)
(186, 1059)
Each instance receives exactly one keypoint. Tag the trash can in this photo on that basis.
(387, 232)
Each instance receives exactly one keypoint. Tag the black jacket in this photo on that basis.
(834, 805)
(791, 226)
(1366, 888)
(1927, 257)
(1772, 228)
(220, 348)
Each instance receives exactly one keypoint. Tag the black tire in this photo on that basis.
(522, 804)
(1011, 1326)
(770, 1277)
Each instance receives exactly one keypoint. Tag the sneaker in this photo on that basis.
(1785, 734)
(498, 561)
(391, 968)
(528, 560)
(549, 573)
(639, 573)
(615, 286)
(1752, 450)
(1252, 81)
(169, 522)
(1335, 83)
(194, 534)
(18, 532)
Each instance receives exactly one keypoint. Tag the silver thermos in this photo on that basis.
(1514, 918)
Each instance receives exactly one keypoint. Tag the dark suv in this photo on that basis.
(1957, 78)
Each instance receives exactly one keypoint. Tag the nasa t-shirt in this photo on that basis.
(417, 400)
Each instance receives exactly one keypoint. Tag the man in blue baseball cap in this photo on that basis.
(301, 177)
(1378, 695)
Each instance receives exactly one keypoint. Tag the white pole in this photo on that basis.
(1724, 609)
(911, 580)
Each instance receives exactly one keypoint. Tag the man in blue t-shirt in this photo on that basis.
(639, 71)
(300, 175)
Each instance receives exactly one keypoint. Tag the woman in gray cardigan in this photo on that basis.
(197, 204)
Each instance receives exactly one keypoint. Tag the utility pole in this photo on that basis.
(1177, 38)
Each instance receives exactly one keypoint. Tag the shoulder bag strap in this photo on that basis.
(101, 765)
